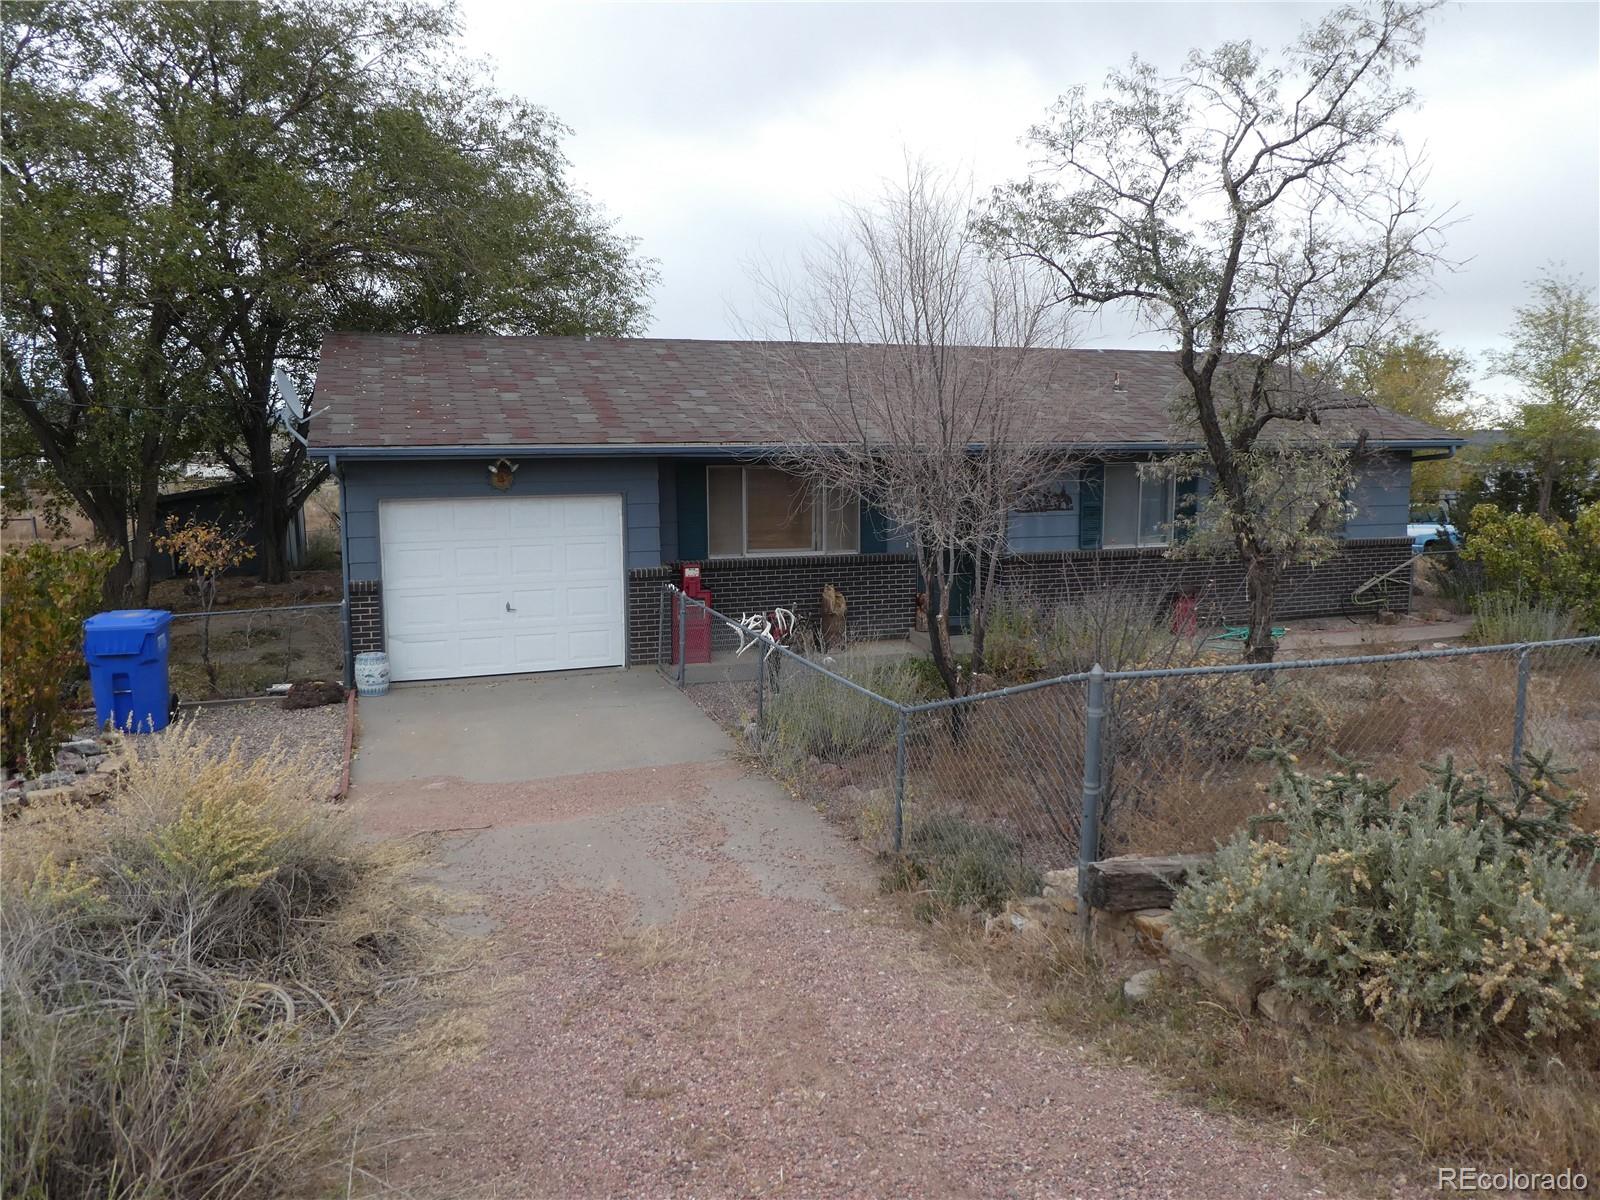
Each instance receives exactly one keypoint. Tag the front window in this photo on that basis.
(1138, 507)
(762, 510)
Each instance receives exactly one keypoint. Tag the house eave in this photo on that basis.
(724, 450)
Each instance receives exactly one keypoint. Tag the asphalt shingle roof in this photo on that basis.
(379, 390)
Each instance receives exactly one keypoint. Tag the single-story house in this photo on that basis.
(514, 504)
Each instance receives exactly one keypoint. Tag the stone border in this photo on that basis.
(1149, 933)
(86, 770)
(349, 745)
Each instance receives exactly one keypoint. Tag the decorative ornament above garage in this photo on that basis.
(500, 473)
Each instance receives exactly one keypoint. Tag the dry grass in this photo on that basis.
(1371, 1108)
(1395, 718)
(205, 984)
(255, 649)
(650, 947)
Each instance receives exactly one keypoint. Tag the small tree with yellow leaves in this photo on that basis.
(206, 550)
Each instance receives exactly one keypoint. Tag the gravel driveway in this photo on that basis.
(692, 989)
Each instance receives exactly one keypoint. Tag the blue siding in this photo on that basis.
(1091, 504)
(875, 531)
(668, 490)
(367, 484)
(1382, 498)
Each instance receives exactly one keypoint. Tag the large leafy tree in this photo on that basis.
(1261, 211)
(1414, 374)
(1553, 436)
(196, 192)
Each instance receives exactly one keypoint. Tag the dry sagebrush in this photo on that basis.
(182, 971)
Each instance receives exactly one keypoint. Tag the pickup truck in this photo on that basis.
(1432, 537)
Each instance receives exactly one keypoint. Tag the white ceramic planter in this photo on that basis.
(372, 673)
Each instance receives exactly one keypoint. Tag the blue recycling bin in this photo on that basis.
(127, 654)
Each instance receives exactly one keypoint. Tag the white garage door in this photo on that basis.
(501, 584)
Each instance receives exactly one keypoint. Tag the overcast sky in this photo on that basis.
(717, 134)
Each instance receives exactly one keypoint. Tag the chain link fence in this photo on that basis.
(1006, 784)
(242, 652)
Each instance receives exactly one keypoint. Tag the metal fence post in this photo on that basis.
(347, 660)
(1519, 723)
(900, 782)
(1089, 831)
(683, 635)
(761, 690)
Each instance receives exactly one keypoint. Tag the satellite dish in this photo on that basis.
(294, 411)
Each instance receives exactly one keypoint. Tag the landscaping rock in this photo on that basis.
(1278, 1006)
(312, 693)
(51, 795)
(76, 763)
(1152, 925)
(1031, 917)
(49, 780)
(1237, 984)
(1132, 882)
(1064, 881)
(87, 747)
(1139, 986)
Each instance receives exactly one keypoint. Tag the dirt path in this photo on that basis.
(692, 989)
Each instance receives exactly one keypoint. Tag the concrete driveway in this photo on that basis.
(582, 779)
(523, 727)
(687, 985)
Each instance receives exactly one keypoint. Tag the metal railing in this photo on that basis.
(1145, 759)
(238, 652)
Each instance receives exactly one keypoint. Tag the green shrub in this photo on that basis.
(1460, 910)
(1552, 563)
(48, 592)
(1501, 617)
(961, 865)
(182, 970)
(811, 714)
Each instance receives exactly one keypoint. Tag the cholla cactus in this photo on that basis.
(1457, 910)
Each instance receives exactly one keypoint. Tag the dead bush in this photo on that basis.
(184, 970)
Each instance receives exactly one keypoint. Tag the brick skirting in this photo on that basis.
(1219, 584)
(881, 588)
(366, 616)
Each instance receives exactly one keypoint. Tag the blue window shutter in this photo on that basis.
(692, 512)
(874, 530)
(1091, 504)
(1186, 502)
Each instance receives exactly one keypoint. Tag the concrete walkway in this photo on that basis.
(688, 985)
